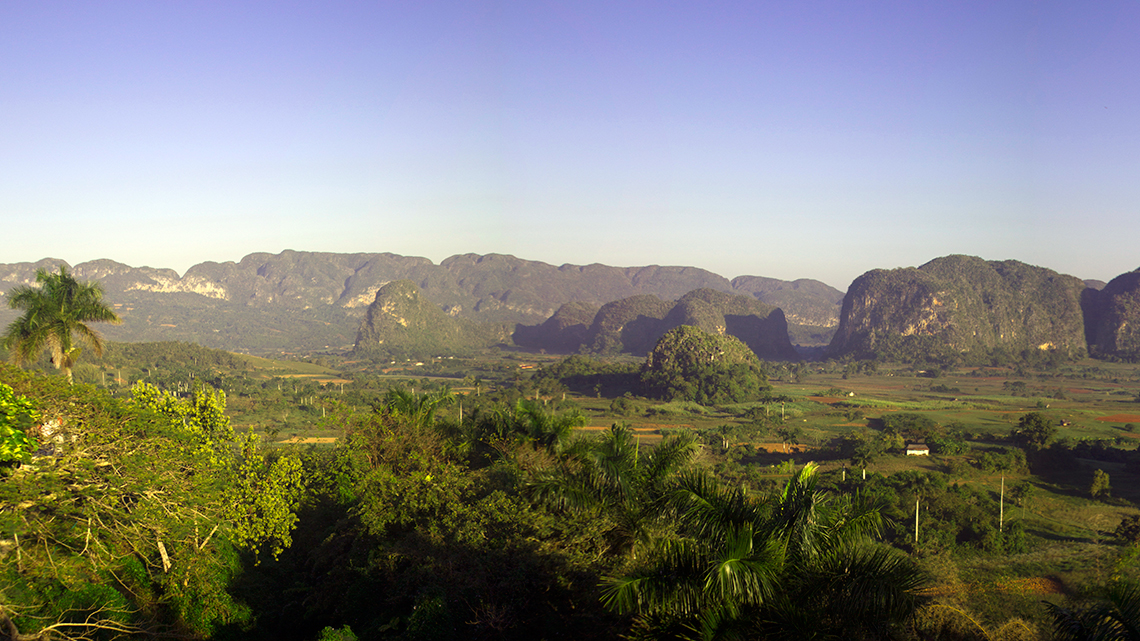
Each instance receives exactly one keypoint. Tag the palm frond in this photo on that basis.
(669, 456)
(870, 586)
(708, 509)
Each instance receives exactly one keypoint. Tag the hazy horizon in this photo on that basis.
(785, 141)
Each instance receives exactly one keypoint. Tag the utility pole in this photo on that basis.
(916, 499)
(1001, 505)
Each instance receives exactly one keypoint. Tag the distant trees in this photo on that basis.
(55, 314)
(910, 425)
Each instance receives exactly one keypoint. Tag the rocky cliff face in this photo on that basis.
(960, 304)
(402, 323)
(634, 325)
(1113, 317)
(564, 332)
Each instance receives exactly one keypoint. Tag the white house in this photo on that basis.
(917, 449)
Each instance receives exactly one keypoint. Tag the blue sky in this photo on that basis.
(791, 140)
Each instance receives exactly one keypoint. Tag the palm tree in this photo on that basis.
(551, 432)
(611, 475)
(1116, 620)
(56, 313)
(417, 409)
(797, 565)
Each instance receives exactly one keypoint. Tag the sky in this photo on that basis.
(781, 139)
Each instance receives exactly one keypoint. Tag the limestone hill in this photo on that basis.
(960, 305)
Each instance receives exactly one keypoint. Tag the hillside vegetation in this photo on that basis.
(689, 364)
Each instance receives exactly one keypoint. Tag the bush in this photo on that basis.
(17, 415)
(1129, 529)
(623, 406)
(1100, 489)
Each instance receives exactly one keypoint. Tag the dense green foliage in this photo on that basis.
(1034, 430)
(592, 376)
(484, 512)
(690, 364)
(793, 565)
(134, 521)
(17, 416)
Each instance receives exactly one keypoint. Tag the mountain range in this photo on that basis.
(309, 301)
(303, 301)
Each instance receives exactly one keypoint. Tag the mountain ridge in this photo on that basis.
(260, 299)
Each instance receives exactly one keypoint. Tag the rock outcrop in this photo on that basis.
(1113, 317)
(960, 304)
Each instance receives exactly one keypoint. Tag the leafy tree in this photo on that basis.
(55, 313)
(623, 406)
(910, 425)
(948, 444)
(1034, 430)
(123, 533)
(789, 434)
(261, 496)
(1022, 491)
(1100, 488)
(867, 448)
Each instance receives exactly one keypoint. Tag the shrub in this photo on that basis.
(17, 415)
